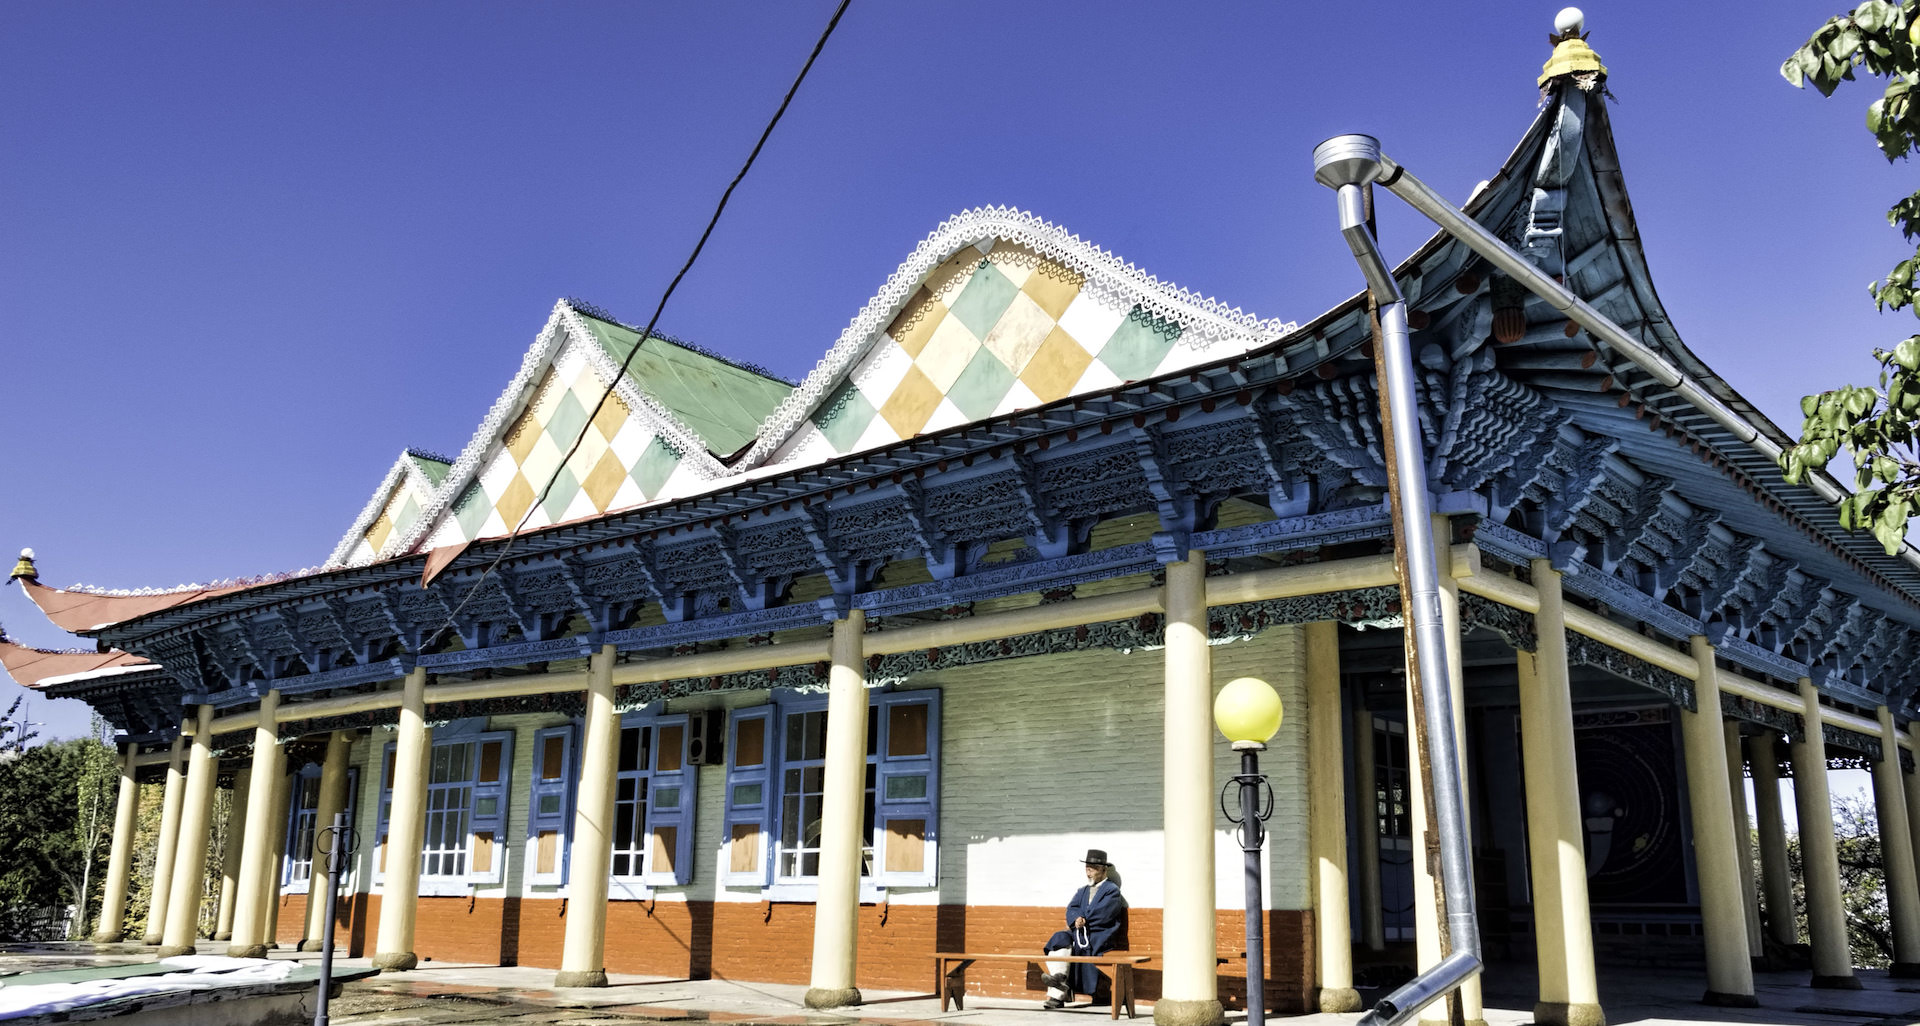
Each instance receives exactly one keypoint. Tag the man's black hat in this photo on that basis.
(1096, 857)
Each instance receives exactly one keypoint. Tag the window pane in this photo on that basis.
(666, 798)
(486, 807)
(906, 845)
(547, 857)
(873, 729)
(549, 805)
(744, 848)
(483, 853)
(907, 788)
(660, 858)
(907, 730)
(490, 762)
(746, 794)
(553, 758)
(790, 821)
(750, 742)
(629, 749)
(672, 743)
(620, 867)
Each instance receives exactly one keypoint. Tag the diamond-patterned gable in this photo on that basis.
(994, 328)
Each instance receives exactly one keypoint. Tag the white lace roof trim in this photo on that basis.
(403, 466)
(1205, 320)
(563, 323)
(225, 582)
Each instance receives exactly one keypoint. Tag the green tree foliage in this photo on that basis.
(43, 860)
(1863, 892)
(1878, 427)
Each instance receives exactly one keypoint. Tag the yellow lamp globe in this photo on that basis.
(1247, 711)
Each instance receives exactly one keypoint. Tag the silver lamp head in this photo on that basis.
(1346, 160)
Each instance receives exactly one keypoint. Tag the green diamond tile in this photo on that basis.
(569, 416)
(404, 517)
(844, 416)
(565, 487)
(986, 297)
(981, 386)
(654, 466)
(471, 510)
(1139, 344)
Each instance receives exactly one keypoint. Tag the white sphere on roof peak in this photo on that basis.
(1569, 20)
(26, 553)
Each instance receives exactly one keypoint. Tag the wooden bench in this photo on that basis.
(950, 968)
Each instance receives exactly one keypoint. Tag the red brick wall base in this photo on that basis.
(772, 942)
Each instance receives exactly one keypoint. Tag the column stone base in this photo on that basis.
(395, 961)
(223, 935)
(246, 951)
(1173, 1012)
(580, 978)
(822, 998)
(152, 940)
(1339, 999)
(109, 937)
(1847, 982)
(310, 945)
(174, 950)
(1904, 971)
(1568, 1013)
(1721, 999)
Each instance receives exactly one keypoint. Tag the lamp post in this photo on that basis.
(1248, 712)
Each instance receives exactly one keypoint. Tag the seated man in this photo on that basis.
(1096, 924)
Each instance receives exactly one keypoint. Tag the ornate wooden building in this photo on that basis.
(804, 682)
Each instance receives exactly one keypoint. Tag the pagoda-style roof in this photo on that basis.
(1011, 382)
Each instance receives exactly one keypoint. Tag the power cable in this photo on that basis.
(647, 332)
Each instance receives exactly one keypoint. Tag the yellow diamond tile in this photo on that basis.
(521, 436)
(911, 403)
(611, 416)
(377, 534)
(1018, 333)
(1053, 286)
(947, 353)
(916, 322)
(513, 503)
(604, 480)
(1056, 366)
(949, 278)
(1016, 262)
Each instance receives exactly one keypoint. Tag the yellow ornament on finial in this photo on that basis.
(25, 568)
(1571, 54)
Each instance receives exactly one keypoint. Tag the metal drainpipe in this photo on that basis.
(1421, 197)
(1347, 164)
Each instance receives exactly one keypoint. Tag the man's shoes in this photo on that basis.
(1051, 1004)
(1057, 981)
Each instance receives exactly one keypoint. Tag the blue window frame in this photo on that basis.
(550, 804)
(468, 776)
(775, 781)
(654, 796)
(303, 808)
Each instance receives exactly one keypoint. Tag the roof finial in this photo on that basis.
(24, 570)
(1571, 54)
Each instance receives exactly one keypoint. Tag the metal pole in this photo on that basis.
(337, 848)
(1251, 835)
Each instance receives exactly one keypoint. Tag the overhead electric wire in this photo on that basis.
(646, 333)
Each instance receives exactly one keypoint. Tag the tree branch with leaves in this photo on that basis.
(1879, 427)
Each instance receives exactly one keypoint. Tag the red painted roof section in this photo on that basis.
(29, 666)
(77, 611)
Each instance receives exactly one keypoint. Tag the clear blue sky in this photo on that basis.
(250, 251)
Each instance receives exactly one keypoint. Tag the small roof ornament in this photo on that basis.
(1571, 54)
(24, 570)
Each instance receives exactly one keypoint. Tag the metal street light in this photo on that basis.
(1248, 712)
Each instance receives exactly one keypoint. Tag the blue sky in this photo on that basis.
(249, 252)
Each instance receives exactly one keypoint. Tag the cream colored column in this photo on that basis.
(1896, 852)
(276, 854)
(196, 822)
(583, 961)
(1743, 836)
(230, 858)
(1373, 927)
(1556, 838)
(256, 886)
(1776, 880)
(406, 829)
(1426, 911)
(837, 907)
(1819, 856)
(332, 800)
(168, 850)
(1912, 782)
(1729, 968)
(1189, 989)
(126, 820)
(1327, 792)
